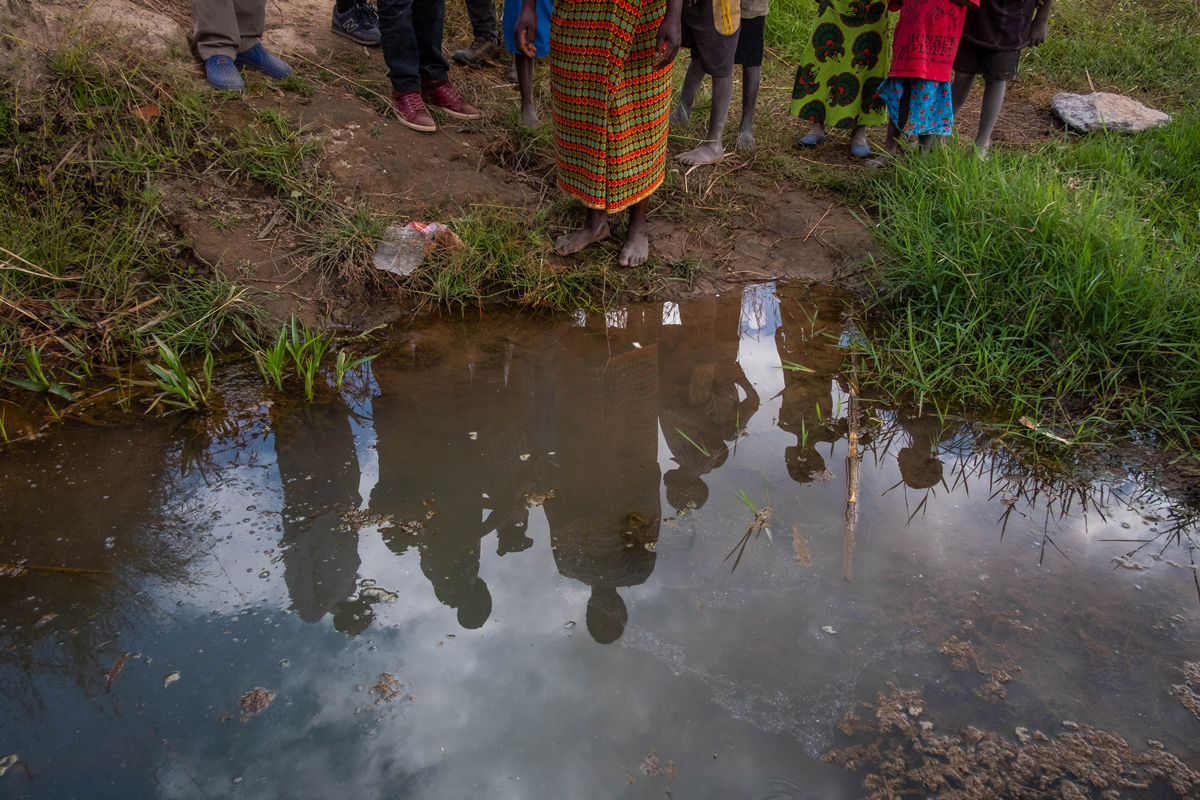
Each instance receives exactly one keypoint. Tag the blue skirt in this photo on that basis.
(930, 109)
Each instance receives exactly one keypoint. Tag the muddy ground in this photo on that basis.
(744, 220)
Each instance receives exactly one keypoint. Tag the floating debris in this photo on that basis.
(388, 687)
(524, 457)
(534, 500)
(650, 766)
(828, 629)
(45, 619)
(356, 519)
(6, 763)
(380, 594)
(1127, 563)
(800, 546)
(224, 716)
(255, 701)
(473, 435)
(284, 663)
(911, 760)
(116, 669)
(169, 679)
(962, 653)
(1188, 692)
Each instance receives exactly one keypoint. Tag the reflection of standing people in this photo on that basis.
(452, 421)
(919, 464)
(698, 380)
(844, 63)
(807, 409)
(318, 470)
(607, 508)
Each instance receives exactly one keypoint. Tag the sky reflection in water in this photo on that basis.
(544, 649)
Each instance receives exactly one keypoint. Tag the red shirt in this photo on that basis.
(926, 38)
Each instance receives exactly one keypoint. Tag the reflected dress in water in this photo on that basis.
(607, 507)
(318, 469)
(698, 380)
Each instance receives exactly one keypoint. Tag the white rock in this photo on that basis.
(1106, 111)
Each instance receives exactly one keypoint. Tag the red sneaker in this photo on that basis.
(440, 94)
(411, 111)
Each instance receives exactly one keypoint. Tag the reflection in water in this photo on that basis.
(810, 356)
(546, 432)
(699, 376)
(318, 470)
(607, 511)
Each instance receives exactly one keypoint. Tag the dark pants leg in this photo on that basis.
(483, 17)
(411, 33)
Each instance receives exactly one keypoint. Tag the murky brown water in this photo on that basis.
(543, 510)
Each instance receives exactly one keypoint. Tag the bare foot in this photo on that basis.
(859, 136)
(637, 246)
(570, 243)
(878, 162)
(706, 153)
(680, 115)
(746, 142)
(529, 116)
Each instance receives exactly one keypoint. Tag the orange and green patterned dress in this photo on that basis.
(610, 104)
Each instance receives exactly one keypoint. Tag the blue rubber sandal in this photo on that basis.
(860, 150)
(222, 74)
(258, 58)
(810, 140)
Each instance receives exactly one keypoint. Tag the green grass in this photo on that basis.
(1149, 49)
(1065, 284)
(90, 267)
(505, 257)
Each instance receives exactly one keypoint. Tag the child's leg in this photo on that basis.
(993, 99)
(751, 79)
(960, 89)
(687, 97)
(710, 151)
(524, 67)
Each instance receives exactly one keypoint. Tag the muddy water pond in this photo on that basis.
(511, 560)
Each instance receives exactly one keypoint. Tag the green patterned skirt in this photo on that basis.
(844, 62)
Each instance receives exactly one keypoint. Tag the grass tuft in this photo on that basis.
(1065, 286)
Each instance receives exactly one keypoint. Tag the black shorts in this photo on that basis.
(993, 65)
(749, 51)
(711, 49)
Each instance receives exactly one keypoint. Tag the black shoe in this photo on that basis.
(360, 24)
(484, 48)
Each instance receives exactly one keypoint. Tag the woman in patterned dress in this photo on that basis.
(610, 67)
(844, 63)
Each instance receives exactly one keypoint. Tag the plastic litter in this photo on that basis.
(403, 249)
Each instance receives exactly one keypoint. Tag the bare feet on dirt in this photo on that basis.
(570, 243)
(637, 245)
(746, 142)
(706, 153)
(529, 117)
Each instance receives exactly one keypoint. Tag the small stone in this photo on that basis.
(1070, 725)
(169, 679)
(1106, 111)
(1023, 735)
